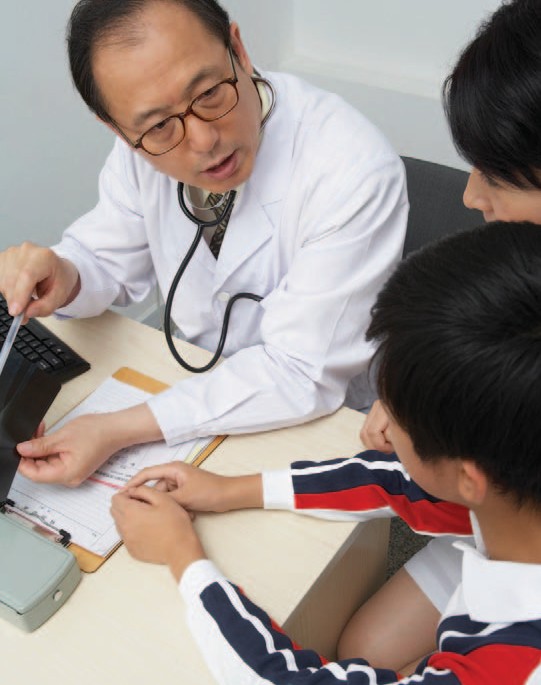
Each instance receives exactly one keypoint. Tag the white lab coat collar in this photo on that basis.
(252, 219)
(498, 591)
(270, 177)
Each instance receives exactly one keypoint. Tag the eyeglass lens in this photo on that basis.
(209, 106)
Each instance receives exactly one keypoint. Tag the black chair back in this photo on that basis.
(436, 208)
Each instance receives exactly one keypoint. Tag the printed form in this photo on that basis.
(84, 511)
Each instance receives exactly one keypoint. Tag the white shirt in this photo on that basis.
(316, 231)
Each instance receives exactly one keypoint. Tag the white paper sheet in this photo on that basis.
(84, 511)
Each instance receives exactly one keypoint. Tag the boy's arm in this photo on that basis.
(238, 640)
(241, 644)
(369, 485)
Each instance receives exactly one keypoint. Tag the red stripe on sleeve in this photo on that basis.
(490, 664)
(426, 516)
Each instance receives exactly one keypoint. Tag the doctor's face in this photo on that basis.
(172, 60)
(500, 201)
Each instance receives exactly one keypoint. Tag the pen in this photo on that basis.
(10, 339)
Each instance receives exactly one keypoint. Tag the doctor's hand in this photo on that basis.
(156, 529)
(198, 490)
(29, 270)
(373, 432)
(72, 453)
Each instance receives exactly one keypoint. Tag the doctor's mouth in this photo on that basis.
(224, 169)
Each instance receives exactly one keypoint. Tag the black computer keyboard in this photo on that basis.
(43, 348)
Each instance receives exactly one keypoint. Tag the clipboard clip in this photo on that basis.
(6, 503)
(58, 535)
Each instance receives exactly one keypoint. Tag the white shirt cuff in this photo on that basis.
(278, 490)
(199, 575)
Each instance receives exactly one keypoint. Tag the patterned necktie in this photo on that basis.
(215, 201)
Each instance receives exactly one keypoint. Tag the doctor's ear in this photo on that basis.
(238, 48)
(472, 483)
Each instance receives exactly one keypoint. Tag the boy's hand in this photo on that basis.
(373, 432)
(156, 529)
(199, 490)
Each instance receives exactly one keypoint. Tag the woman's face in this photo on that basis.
(500, 201)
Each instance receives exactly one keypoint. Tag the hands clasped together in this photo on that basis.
(156, 522)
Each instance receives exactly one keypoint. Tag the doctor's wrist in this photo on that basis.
(133, 426)
(72, 280)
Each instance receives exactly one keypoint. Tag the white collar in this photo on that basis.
(498, 591)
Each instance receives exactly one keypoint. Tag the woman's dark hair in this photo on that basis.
(95, 21)
(458, 333)
(492, 98)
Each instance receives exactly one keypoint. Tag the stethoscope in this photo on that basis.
(227, 207)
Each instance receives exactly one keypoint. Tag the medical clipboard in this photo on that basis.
(88, 561)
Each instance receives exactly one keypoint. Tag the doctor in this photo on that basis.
(317, 224)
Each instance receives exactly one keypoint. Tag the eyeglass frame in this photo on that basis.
(181, 116)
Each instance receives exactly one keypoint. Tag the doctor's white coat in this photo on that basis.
(315, 231)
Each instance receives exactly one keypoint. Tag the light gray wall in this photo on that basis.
(52, 148)
(267, 28)
(389, 59)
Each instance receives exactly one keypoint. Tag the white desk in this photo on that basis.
(125, 623)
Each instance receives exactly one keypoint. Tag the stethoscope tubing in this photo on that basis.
(201, 225)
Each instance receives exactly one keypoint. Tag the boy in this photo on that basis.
(458, 349)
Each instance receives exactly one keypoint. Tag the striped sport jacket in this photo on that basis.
(490, 632)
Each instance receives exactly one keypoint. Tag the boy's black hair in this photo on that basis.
(94, 21)
(492, 98)
(458, 329)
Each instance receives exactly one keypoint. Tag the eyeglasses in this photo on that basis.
(211, 105)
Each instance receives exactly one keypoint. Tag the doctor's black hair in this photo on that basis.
(492, 98)
(94, 22)
(458, 334)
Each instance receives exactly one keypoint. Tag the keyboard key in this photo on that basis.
(54, 361)
(58, 350)
(42, 347)
(42, 364)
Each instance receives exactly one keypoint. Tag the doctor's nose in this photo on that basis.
(201, 136)
(476, 193)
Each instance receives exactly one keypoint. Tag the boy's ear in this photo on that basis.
(472, 483)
